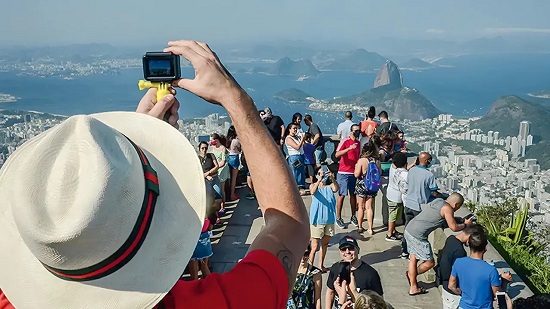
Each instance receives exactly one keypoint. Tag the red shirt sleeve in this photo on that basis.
(4, 302)
(258, 281)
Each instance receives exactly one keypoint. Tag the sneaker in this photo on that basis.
(391, 238)
(250, 196)
(398, 235)
(353, 221)
(340, 223)
(404, 256)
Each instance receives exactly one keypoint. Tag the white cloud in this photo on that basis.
(516, 30)
(435, 31)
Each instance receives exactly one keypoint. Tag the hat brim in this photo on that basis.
(161, 259)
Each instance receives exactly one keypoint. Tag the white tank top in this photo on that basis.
(291, 151)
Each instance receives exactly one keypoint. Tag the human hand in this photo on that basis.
(469, 221)
(341, 289)
(353, 146)
(352, 284)
(149, 105)
(212, 81)
(209, 178)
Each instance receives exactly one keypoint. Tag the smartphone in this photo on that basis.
(345, 268)
(501, 300)
(324, 168)
(468, 216)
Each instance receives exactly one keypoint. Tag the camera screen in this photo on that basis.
(160, 67)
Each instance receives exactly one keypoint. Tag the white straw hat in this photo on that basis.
(81, 224)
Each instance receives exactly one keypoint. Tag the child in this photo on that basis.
(309, 158)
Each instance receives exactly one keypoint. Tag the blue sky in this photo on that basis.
(54, 22)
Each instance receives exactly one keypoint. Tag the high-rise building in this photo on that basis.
(523, 130)
(523, 146)
(427, 146)
(27, 117)
(515, 147)
(495, 135)
(529, 140)
(530, 162)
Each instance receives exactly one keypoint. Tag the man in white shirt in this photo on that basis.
(344, 128)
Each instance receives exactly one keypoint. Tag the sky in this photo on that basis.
(122, 22)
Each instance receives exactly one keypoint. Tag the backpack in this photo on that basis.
(372, 178)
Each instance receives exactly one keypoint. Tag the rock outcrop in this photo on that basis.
(288, 67)
(389, 75)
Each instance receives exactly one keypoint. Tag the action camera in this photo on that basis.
(161, 67)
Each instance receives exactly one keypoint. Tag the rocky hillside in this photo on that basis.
(389, 75)
(288, 67)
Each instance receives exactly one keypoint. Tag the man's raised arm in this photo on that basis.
(286, 233)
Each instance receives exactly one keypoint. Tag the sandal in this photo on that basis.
(371, 232)
(420, 292)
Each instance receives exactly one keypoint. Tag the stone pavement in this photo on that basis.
(244, 221)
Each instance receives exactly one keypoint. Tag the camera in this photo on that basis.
(161, 67)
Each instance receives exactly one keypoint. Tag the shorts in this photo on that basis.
(361, 191)
(234, 161)
(346, 182)
(319, 154)
(450, 301)
(420, 248)
(320, 230)
(394, 211)
(203, 249)
(310, 170)
(216, 185)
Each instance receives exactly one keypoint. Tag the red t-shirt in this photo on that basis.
(348, 161)
(258, 281)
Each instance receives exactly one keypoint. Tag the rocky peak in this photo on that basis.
(389, 74)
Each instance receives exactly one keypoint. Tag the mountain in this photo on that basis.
(288, 67)
(544, 94)
(507, 112)
(359, 60)
(293, 95)
(389, 75)
(401, 103)
(416, 64)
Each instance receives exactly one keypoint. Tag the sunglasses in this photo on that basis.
(350, 249)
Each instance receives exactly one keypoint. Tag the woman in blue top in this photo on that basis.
(322, 214)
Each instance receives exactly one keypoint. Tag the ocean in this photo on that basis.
(467, 86)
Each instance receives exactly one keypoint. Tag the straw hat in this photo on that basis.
(101, 211)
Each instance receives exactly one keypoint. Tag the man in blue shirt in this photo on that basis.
(473, 278)
(421, 189)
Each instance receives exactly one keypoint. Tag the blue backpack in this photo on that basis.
(372, 177)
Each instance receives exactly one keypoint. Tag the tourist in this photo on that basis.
(294, 145)
(386, 126)
(359, 300)
(318, 139)
(368, 126)
(250, 195)
(297, 119)
(234, 160)
(474, 279)
(399, 143)
(348, 153)
(365, 200)
(453, 250)
(275, 126)
(433, 216)
(220, 153)
(365, 277)
(306, 293)
(322, 215)
(421, 189)
(124, 151)
(309, 157)
(386, 148)
(344, 128)
(396, 194)
(210, 168)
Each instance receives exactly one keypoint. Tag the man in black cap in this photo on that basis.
(366, 277)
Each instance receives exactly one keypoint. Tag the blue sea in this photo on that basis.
(466, 86)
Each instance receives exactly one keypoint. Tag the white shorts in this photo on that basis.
(450, 301)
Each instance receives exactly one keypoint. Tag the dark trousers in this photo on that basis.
(409, 215)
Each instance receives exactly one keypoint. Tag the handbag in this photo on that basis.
(297, 163)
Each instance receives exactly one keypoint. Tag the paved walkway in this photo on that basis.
(244, 221)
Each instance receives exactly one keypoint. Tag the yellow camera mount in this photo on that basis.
(163, 88)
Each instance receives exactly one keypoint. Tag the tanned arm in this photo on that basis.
(286, 233)
(453, 286)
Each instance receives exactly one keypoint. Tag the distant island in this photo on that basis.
(8, 98)
(544, 94)
(294, 95)
(359, 60)
(417, 64)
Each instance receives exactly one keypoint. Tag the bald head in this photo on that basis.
(455, 200)
(424, 158)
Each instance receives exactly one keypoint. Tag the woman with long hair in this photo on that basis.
(386, 147)
(365, 199)
(220, 152)
(295, 148)
(368, 126)
(234, 161)
(306, 293)
(297, 119)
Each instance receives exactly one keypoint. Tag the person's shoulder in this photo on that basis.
(364, 267)
(335, 268)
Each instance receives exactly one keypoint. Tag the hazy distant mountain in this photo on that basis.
(390, 75)
(359, 60)
(293, 95)
(288, 67)
(417, 64)
(543, 94)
